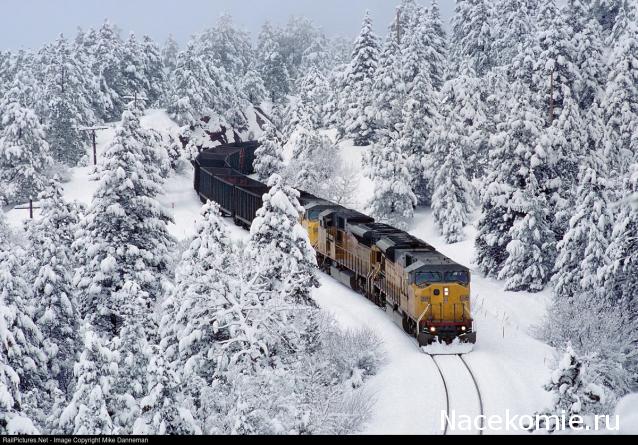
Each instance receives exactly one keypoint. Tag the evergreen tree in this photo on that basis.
(268, 157)
(161, 412)
(132, 62)
(227, 47)
(393, 201)
(290, 265)
(190, 99)
(587, 37)
(154, 72)
(107, 63)
(573, 391)
(514, 151)
(12, 415)
(201, 312)
(87, 412)
(134, 355)
(24, 152)
(124, 236)
(169, 53)
(252, 86)
(313, 94)
(67, 108)
(513, 29)
(419, 117)
(25, 353)
(471, 38)
(607, 11)
(271, 65)
(360, 114)
(388, 84)
(620, 104)
(56, 312)
(438, 51)
(531, 249)
(313, 159)
(451, 200)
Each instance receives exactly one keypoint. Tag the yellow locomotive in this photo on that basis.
(395, 270)
(428, 292)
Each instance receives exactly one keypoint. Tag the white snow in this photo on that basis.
(508, 362)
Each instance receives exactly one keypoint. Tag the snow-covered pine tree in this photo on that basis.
(154, 72)
(531, 249)
(555, 73)
(514, 151)
(419, 118)
(388, 84)
(573, 391)
(169, 53)
(314, 158)
(67, 105)
(272, 65)
(393, 201)
(133, 74)
(512, 29)
(87, 412)
(228, 47)
(161, 410)
(107, 63)
(199, 315)
(252, 86)
(13, 420)
(587, 35)
(190, 99)
(133, 355)
(317, 56)
(313, 93)
(82, 56)
(25, 354)
(268, 157)
(451, 199)
(360, 114)
(606, 12)
(620, 103)
(56, 312)
(280, 246)
(124, 235)
(623, 251)
(471, 38)
(438, 50)
(24, 152)
(462, 120)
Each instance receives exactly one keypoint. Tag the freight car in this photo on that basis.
(428, 291)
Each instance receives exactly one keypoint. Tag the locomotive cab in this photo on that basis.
(440, 295)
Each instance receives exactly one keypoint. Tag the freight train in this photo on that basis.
(427, 291)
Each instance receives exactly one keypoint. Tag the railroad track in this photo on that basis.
(457, 376)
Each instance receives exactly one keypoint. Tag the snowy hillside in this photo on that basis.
(508, 362)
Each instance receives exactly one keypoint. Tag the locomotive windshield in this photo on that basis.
(457, 277)
(424, 278)
(313, 214)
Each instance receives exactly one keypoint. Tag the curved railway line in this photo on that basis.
(455, 397)
(428, 292)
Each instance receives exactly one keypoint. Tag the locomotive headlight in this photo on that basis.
(432, 329)
(463, 328)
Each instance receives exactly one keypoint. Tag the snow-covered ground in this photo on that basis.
(509, 364)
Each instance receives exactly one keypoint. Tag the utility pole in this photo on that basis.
(135, 98)
(30, 207)
(93, 130)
